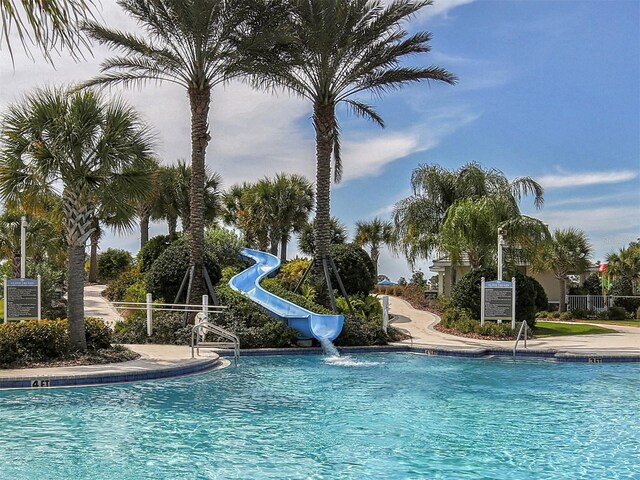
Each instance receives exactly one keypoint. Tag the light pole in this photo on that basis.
(501, 234)
(23, 246)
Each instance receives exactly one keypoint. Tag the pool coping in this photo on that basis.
(557, 355)
(127, 372)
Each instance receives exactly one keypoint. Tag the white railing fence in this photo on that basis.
(593, 302)
(151, 307)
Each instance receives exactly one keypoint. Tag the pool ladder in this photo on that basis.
(523, 329)
(231, 341)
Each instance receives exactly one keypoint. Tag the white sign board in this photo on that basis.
(498, 301)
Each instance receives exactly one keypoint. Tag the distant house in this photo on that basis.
(442, 266)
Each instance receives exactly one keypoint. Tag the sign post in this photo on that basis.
(498, 301)
(22, 299)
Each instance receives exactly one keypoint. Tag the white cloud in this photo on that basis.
(564, 179)
(441, 8)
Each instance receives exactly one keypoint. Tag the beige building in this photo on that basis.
(551, 285)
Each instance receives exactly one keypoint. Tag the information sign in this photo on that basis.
(21, 299)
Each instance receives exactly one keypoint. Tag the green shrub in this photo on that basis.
(365, 307)
(274, 286)
(566, 316)
(168, 270)
(543, 314)
(603, 315)
(117, 289)
(355, 268)
(291, 272)
(616, 313)
(168, 329)
(582, 313)
(530, 296)
(112, 262)
(358, 331)
(36, 341)
(630, 305)
(224, 247)
(52, 287)
(151, 250)
(555, 315)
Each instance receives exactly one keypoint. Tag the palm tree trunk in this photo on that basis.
(323, 122)
(78, 223)
(375, 255)
(75, 295)
(199, 100)
(273, 247)
(172, 223)
(563, 294)
(144, 229)
(283, 248)
(93, 257)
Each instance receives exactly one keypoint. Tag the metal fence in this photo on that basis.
(594, 302)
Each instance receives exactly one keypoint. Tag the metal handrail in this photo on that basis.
(219, 331)
(524, 327)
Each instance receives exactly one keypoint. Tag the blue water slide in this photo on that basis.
(309, 324)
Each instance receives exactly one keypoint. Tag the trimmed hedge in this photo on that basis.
(530, 296)
(151, 250)
(112, 262)
(36, 341)
(169, 269)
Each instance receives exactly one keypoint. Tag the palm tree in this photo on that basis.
(182, 186)
(567, 252)
(419, 219)
(471, 225)
(49, 24)
(42, 238)
(375, 234)
(190, 43)
(238, 212)
(76, 145)
(626, 264)
(307, 237)
(337, 50)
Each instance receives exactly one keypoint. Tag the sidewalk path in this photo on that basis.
(419, 324)
(95, 305)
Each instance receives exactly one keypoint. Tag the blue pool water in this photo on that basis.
(382, 416)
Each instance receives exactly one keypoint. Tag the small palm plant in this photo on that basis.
(77, 146)
(375, 233)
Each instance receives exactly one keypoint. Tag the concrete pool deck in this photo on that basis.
(156, 361)
(420, 325)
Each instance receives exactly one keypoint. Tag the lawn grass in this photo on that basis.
(627, 323)
(555, 329)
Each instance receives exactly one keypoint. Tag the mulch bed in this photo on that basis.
(110, 355)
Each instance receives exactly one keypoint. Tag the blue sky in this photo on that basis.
(548, 89)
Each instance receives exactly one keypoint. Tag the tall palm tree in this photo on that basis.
(76, 145)
(189, 43)
(375, 234)
(567, 252)
(336, 51)
(48, 24)
(419, 219)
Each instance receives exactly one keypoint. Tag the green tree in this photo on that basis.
(626, 264)
(190, 43)
(374, 234)
(471, 225)
(337, 50)
(307, 237)
(283, 205)
(567, 252)
(42, 238)
(84, 144)
(419, 218)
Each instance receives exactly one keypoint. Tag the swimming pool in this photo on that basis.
(390, 416)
